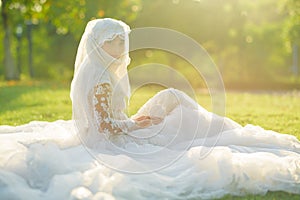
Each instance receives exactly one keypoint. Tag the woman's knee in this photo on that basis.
(182, 98)
(169, 92)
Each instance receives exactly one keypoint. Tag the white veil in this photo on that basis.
(93, 66)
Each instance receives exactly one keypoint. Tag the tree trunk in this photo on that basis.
(10, 69)
(295, 68)
(29, 38)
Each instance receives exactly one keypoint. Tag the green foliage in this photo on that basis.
(58, 26)
(125, 10)
(66, 16)
(291, 8)
(249, 40)
(245, 38)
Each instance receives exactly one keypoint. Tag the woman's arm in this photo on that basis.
(104, 118)
(103, 115)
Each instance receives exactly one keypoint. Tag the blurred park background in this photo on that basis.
(254, 43)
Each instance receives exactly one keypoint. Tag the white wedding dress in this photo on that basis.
(46, 160)
(191, 154)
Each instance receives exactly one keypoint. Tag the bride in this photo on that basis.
(100, 88)
(171, 148)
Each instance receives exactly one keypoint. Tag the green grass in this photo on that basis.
(24, 102)
(274, 111)
(21, 104)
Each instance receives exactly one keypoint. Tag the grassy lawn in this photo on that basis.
(22, 103)
(44, 101)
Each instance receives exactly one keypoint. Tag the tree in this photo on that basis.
(244, 37)
(10, 68)
(60, 20)
(291, 8)
(64, 15)
(291, 31)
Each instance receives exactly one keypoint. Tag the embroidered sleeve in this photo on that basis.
(103, 115)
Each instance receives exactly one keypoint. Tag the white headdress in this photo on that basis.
(93, 66)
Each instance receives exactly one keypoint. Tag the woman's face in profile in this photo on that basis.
(115, 47)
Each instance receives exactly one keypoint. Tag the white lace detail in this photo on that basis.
(105, 120)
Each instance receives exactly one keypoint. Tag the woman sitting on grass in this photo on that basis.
(172, 120)
(172, 148)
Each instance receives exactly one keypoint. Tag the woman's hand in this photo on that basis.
(143, 123)
(156, 120)
(146, 121)
(141, 118)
